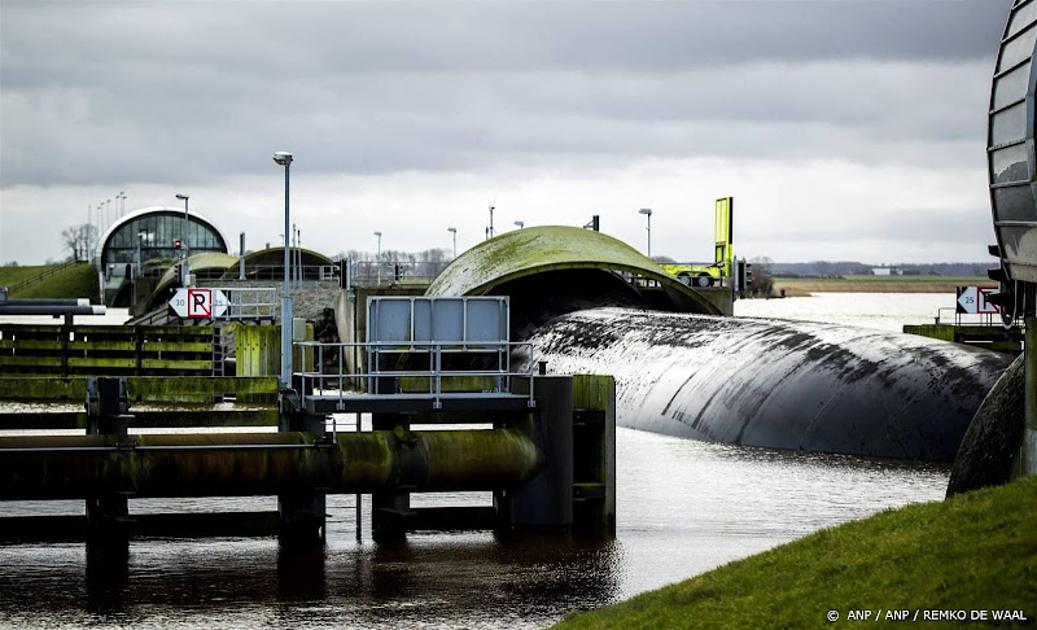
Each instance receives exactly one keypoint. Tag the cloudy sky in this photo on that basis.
(845, 130)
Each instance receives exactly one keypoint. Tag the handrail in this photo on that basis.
(319, 380)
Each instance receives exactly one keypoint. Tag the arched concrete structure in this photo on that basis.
(268, 264)
(205, 266)
(562, 268)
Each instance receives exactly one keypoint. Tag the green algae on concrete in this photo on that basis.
(529, 251)
(179, 389)
(974, 552)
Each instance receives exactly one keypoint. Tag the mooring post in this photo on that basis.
(389, 509)
(545, 502)
(302, 514)
(107, 515)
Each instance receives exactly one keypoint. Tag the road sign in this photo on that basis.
(199, 303)
(973, 300)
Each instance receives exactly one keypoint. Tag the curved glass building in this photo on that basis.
(141, 244)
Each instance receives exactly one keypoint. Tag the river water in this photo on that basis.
(683, 507)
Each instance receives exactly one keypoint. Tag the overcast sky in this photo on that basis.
(845, 130)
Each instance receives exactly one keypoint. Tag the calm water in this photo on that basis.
(684, 507)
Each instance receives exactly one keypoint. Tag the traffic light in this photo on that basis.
(179, 275)
(748, 275)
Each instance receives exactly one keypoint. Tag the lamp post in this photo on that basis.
(648, 212)
(285, 159)
(489, 232)
(453, 232)
(378, 258)
(295, 254)
(183, 243)
(89, 228)
(520, 224)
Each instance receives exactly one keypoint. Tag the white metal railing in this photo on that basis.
(249, 303)
(331, 377)
(966, 319)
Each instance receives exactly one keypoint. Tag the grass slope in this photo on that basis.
(974, 551)
(13, 275)
(77, 281)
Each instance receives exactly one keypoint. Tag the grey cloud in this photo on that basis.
(98, 92)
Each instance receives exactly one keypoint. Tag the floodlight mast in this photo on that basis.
(648, 213)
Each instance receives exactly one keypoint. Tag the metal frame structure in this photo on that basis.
(330, 387)
(1011, 157)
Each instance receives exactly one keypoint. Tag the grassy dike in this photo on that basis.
(75, 281)
(975, 551)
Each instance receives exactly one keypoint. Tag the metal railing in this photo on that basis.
(966, 319)
(368, 273)
(256, 303)
(49, 271)
(332, 378)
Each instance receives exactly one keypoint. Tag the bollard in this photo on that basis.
(545, 502)
(107, 514)
(302, 514)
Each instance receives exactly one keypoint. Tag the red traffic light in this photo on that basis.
(178, 244)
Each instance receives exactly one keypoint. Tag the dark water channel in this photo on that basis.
(684, 507)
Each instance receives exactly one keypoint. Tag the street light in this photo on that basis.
(285, 159)
(378, 256)
(490, 231)
(520, 224)
(453, 231)
(648, 212)
(184, 244)
(295, 253)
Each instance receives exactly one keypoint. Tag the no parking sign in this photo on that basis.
(198, 303)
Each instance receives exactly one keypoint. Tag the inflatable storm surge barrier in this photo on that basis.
(590, 303)
(788, 384)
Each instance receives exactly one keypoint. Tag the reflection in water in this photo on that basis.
(684, 507)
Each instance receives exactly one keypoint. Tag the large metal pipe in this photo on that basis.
(13, 308)
(77, 467)
(779, 384)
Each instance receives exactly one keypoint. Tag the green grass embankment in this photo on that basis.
(976, 551)
(74, 281)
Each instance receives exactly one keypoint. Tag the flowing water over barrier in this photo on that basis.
(777, 383)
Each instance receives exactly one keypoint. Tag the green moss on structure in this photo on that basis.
(976, 551)
(531, 251)
(177, 389)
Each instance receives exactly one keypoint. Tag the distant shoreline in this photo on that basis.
(800, 287)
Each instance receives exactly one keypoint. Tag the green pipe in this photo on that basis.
(77, 467)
